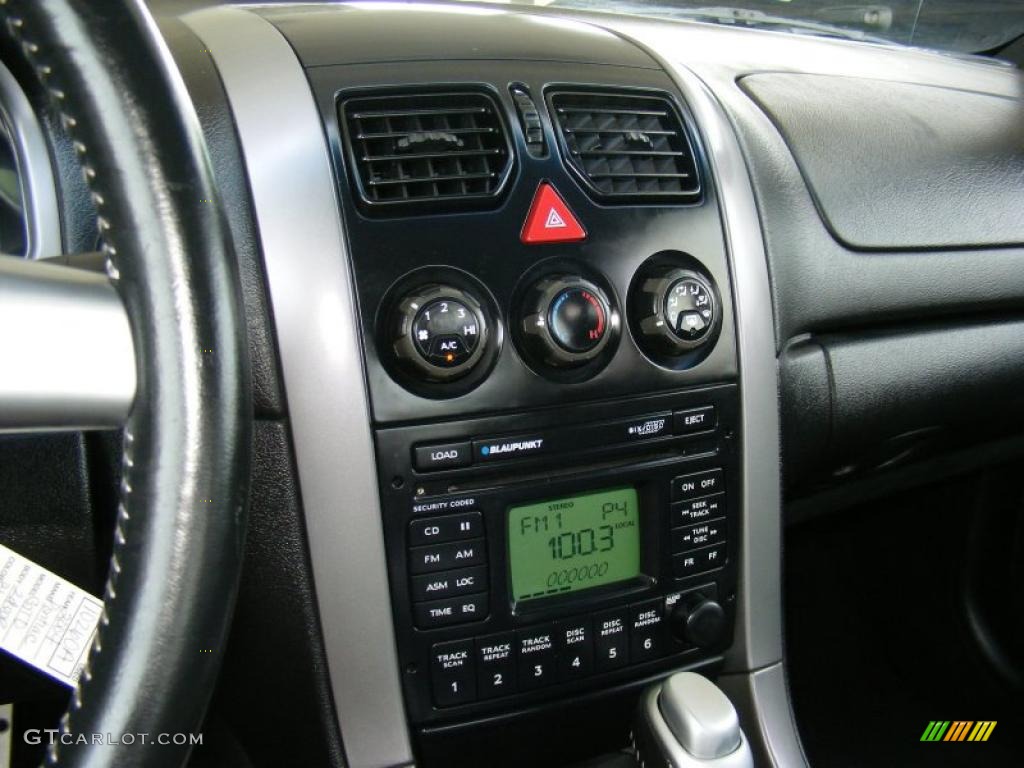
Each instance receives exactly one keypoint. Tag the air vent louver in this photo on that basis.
(432, 151)
(626, 147)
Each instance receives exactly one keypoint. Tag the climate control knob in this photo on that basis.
(676, 310)
(567, 321)
(439, 332)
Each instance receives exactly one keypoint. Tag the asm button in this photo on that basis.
(434, 586)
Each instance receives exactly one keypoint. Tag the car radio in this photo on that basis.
(532, 557)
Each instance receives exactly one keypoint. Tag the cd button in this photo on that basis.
(430, 530)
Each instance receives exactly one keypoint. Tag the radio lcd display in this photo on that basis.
(573, 543)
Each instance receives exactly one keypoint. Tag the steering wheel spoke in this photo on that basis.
(67, 360)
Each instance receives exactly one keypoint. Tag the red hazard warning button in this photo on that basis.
(550, 220)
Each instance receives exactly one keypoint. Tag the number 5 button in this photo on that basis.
(611, 639)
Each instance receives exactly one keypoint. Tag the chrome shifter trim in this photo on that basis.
(313, 300)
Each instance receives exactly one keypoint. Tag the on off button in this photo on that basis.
(697, 484)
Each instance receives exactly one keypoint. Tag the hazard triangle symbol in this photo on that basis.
(550, 220)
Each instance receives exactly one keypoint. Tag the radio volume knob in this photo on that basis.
(567, 320)
(439, 332)
(698, 620)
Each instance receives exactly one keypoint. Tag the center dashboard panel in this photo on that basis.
(549, 347)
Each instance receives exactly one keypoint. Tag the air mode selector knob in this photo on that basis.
(566, 320)
(439, 332)
(676, 310)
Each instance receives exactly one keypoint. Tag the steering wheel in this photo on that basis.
(180, 524)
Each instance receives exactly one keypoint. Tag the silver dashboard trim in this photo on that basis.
(759, 611)
(313, 302)
(39, 192)
(67, 350)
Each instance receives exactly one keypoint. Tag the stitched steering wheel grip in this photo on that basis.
(181, 519)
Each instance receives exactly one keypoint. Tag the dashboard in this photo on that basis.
(551, 277)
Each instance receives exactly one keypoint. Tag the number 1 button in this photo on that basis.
(453, 674)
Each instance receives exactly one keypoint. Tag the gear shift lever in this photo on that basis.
(687, 722)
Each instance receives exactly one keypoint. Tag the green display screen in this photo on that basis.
(566, 545)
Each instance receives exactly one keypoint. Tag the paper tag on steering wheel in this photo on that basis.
(45, 621)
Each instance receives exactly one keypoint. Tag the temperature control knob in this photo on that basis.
(677, 310)
(439, 332)
(567, 321)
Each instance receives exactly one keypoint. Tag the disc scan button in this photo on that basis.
(446, 456)
(509, 447)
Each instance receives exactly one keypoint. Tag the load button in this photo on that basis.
(697, 484)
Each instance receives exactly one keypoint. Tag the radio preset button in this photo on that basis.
(695, 420)
(457, 610)
(699, 535)
(699, 560)
(536, 657)
(452, 673)
(611, 639)
(698, 510)
(574, 641)
(443, 557)
(648, 631)
(443, 456)
(496, 665)
(431, 530)
(697, 484)
(434, 586)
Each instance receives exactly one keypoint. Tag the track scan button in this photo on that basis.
(453, 673)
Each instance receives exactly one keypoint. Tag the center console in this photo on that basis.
(542, 351)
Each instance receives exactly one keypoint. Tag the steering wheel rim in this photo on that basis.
(181, 518)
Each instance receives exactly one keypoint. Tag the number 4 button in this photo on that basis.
(575, 648)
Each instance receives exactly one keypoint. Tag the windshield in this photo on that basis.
(969, 26)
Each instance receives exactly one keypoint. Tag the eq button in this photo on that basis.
(457, 610)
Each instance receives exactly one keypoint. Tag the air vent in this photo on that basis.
(431, 151)
(626, 147)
